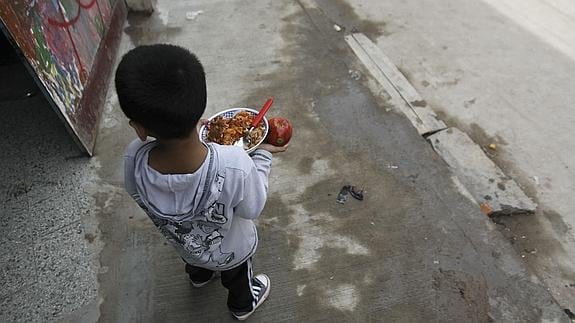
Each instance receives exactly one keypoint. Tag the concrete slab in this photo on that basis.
(396, 85)
(496, 193)
(397, 101)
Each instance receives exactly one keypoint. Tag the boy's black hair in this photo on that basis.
(162, 87)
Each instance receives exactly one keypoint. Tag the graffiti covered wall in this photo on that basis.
(61, 40)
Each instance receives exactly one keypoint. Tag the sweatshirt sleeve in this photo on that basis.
(255, 186)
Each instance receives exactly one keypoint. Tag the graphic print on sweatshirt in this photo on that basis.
(200, 237)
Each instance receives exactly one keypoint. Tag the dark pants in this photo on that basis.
(237, 281)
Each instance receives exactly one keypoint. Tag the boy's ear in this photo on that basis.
(140, 130)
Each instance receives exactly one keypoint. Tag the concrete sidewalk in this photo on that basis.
(502, 71)
(415, 250)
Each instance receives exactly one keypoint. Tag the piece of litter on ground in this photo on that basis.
(371, 223)
(357, 193)
(522, 256)
(342, 196)
(337, 27)
(493, 146)
(331, 277)
(523, 237)
(536, 180)
(191, 15)
(570, 314)
(436, 262)
(485, 208)
(392, 166)
(354, 74)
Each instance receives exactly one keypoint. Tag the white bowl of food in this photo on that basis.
(228, 126)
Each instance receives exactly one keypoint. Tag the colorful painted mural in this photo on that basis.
(60, 40)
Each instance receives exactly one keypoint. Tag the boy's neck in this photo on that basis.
(178, 156)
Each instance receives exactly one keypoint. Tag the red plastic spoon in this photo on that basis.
(246, 140)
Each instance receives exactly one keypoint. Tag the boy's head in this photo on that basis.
(162, 89)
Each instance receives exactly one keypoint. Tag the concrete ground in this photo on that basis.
(48, 257)
(415, 250)
(502, 71)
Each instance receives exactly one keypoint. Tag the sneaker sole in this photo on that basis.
(264, 297)
(196, 285)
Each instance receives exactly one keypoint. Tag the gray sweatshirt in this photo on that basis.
(207, 216)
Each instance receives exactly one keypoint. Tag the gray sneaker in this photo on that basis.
(260, 289)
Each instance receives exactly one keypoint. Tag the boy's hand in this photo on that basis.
(273, 149)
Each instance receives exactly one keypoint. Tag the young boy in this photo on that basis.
(203, 198)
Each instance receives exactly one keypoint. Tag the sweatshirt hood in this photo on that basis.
(177, 195)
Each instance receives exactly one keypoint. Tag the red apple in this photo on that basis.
(279, 133)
